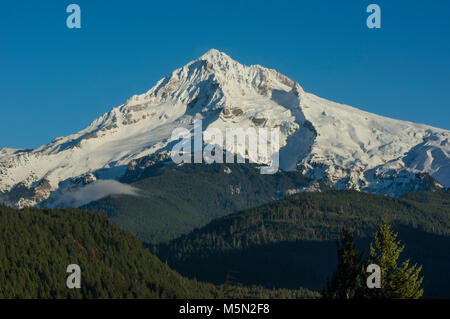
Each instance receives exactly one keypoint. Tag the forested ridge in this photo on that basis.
(37, 245)
(174, 200)
(271, 251)
(291, 241)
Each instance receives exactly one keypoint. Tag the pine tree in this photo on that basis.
(346, 281)
(397, 281)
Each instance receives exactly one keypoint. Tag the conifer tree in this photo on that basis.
(346, 281)
(397, 281)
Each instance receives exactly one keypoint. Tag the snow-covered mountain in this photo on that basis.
(335, 145)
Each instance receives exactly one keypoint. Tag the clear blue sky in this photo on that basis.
(54, 81)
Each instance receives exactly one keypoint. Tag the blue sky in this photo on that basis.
(54, 81)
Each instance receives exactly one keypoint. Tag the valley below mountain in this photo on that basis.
(173, 200)
(292, 241)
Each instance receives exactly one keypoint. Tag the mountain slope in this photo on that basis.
(291, 241)
(333, 144)
(38, 245)
(173, 200)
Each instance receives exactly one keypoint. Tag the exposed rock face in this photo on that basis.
(137, 168)
(22, 195)
(259, 121)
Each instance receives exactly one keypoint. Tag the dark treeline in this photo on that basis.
(380, 275)
(291, 242)
(37, 245)
(174, 200)
(267, 252)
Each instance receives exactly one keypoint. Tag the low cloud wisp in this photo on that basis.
(92, 192)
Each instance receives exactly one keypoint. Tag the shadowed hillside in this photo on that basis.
(291, 242)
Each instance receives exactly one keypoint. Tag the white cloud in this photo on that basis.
(91, 192)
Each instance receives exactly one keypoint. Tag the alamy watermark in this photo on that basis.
(74, 279)
(260, 145)
(73, 21)
(374, 19)
(374, 280)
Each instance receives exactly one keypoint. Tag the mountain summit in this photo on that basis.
(334, 145)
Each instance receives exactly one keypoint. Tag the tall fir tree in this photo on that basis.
(346, 281)
(397, 281)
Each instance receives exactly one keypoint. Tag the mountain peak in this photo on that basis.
(214, 55)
